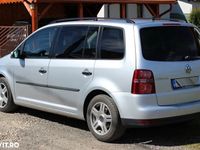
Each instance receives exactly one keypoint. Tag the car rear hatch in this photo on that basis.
(172, 53)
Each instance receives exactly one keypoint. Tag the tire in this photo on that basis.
(103, 119)
(6, 99)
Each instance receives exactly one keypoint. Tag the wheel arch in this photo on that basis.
(9, 78)
(1, 75)
(89, 98)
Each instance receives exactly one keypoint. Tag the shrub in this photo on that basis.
(195, 17)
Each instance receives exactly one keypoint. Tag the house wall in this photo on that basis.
(181, 10)
(113, 10)
(10, 13)
(131, 11)
(186, 6)
(195, 4)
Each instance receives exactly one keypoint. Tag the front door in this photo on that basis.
(31, 73)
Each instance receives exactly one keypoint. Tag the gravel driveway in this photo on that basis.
(36, 130)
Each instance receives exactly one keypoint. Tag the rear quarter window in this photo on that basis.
(112, 44)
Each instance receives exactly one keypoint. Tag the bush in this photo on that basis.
(195, 17)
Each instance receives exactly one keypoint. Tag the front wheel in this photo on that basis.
(103, 119)
(6, 99)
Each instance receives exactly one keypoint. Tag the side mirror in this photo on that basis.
(22, 55)
(18, 53)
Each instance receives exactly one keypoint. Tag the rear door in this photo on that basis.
(72, 68)
(173, 54)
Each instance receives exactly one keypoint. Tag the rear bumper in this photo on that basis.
(158, 122)
(143, 110)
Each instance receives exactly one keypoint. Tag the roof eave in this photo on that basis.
(92, 1)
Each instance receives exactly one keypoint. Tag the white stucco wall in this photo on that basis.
(178, 10)
(102, 12)
(185, 6)
(131, 11)
(113, 10)
(163, 8)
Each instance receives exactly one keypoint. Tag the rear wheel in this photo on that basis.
(6, 99)
(103, 119)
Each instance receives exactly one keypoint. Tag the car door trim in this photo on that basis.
(49, 86)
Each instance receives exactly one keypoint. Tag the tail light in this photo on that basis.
(143, 82)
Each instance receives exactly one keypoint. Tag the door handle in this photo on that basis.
(87, 73)
(42, 71)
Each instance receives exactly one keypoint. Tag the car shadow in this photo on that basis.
(170, 135)
(55, 118)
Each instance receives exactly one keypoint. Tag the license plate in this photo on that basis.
(185, 82)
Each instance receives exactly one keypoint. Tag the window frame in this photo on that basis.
(97, 41)
(76, 25)
(34, 34)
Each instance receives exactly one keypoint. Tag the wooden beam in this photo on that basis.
(153, 9)
(123, 10)
(45, 11)
(88, 11)
(139, 10)
(27, 7)
(32, 9)
(34, 16)
(156, 9)
(167, 11)
(80, 10)
(110, 1)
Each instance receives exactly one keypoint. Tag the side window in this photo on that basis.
(71, 42)
(91, 43)
(39, 45)
(112, 43)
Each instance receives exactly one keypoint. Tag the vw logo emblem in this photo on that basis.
(188, 69)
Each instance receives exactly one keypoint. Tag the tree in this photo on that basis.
(195, 17)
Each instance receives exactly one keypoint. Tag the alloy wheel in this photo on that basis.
(101, 118)
(3, 95)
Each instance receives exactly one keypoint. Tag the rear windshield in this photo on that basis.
(171, 43)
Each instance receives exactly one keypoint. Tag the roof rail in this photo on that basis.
(92, 18)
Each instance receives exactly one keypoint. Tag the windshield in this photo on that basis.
(170, 43)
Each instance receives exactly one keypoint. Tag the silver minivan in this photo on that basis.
(112, 73)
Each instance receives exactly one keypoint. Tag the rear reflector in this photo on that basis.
(143, 82)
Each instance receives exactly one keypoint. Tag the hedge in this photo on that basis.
(195, 17)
